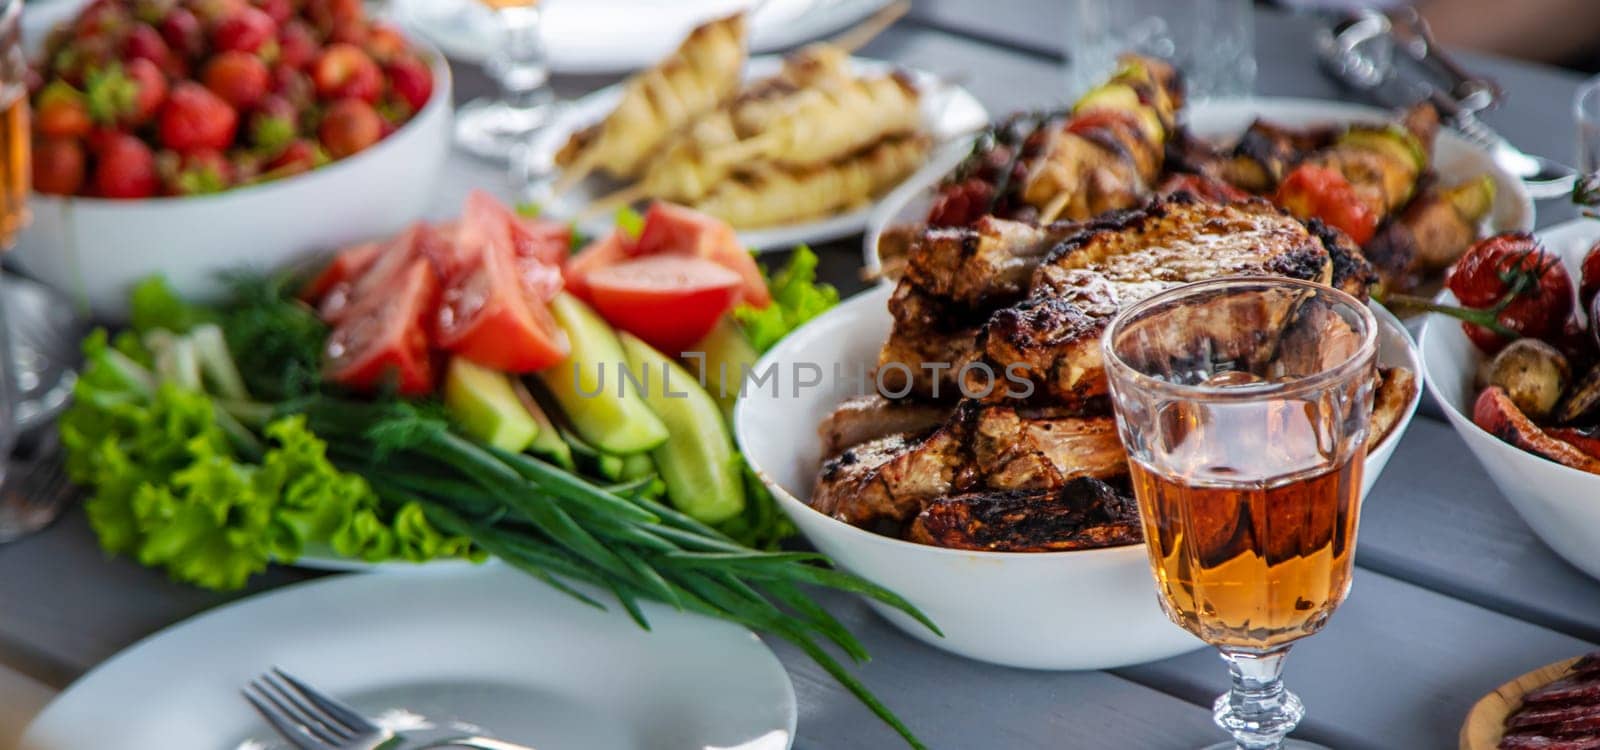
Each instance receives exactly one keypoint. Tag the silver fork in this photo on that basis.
(310, 720)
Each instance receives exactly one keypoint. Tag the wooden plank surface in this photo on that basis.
(1397, 667)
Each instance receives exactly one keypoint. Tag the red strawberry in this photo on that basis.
(126, 169)
(213, 12)
(152, 11)
(294, 86)
(62, 111)
(247, 30)
(327, 15)
(385, 42)
(345, 72)
(105, 19)
(300, 156)
(273, 126)
(196, 118)
(349, 126)
(182, 32)
(145, 43)
(246, 166)
(150, 92)
(202, 171)
(350, 32)
(297, 44)
(58, 166)
(411, 81)
(240, 78)
(279, 10)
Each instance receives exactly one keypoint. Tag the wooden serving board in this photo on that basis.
(1487, 720)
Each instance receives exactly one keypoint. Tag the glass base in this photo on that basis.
(494, 130)
(1287, 745)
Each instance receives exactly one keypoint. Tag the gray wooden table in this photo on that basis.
(1454, 596)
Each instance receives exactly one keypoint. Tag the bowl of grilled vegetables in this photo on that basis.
(1520, 379)
(968, 457)
(1411, 195)
(785, 149)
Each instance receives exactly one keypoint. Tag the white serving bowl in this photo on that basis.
(1090, 609)
(1560, 504)
(94, 249)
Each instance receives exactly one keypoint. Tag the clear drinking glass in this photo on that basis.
(1586, 111)
(1211, 41)
(1244, 405)
(498, 128)
(15, 174)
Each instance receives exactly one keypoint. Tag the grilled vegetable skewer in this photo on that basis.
(772, 196)
(703, 73)
(1430, 233)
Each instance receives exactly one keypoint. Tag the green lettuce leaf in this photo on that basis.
(171, 486)
(796, 298)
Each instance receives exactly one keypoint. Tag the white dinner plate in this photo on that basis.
(948, 111)
(611, 36)
(492, 648)
(1454, 158)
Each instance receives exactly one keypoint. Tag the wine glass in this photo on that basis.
(1244, 405)
(498, 128)
(15, 175)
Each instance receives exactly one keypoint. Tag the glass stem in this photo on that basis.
(1257, 711)
(519, 66)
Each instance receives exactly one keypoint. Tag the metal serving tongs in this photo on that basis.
(1360, 53)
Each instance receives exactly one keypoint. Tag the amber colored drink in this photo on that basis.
(15, 166)
(503, 4)
(1251, 567)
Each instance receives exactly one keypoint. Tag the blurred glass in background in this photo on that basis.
(1212, 41)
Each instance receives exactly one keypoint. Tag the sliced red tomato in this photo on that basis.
(417, 242)
(384, 339)
(670, 301)
(491, 313)
(609, 250)
(343, 270)
(549, 241)
(673, 229)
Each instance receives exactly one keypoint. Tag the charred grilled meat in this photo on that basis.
(865, 418)
(1049, 335)
(1052, 337)
(1082, 514)
(979, 448)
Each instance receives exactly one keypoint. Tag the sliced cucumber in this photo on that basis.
(637, 466)
(589, 388)
(548, 443)
(727, 354)
(698, 462)
(484, 405)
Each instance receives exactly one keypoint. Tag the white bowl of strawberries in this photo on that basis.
(1529, 408)
(190, 137)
